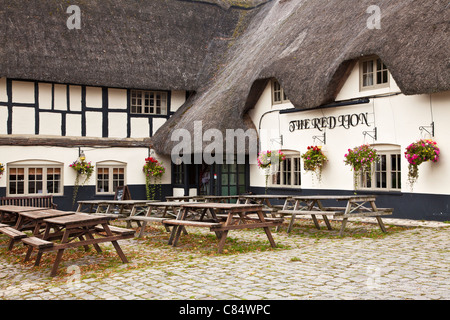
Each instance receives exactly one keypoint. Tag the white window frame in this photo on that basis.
(377, 176)
(277, 91)
(293, 163)
(140, 102)
(110, 165)
(376, 73)
(26, 165)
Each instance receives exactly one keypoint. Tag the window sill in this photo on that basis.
(380, 192)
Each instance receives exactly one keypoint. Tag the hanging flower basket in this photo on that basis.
(314, 160)
(269, 162)
(153, 171)
(361, 159)
(266, 159)
(82, 169)
(418, 152)
(2, 169)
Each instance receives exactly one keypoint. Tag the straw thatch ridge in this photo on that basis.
(309, 47)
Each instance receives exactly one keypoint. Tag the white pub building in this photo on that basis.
(114, 87)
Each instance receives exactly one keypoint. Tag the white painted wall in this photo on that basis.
(397, 119)
(133, 157)
(23, 92)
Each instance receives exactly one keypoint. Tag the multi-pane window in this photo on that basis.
(178, 174)
(148, 102)
(374, 74)
(278, 95)
(29, 180)
(233, 180)
(386, 173)
(289, 172)
(109, 178)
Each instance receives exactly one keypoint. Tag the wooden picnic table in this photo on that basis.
(185, 198)
(355, 206)
(267, 201)
(264, 199)
(237, 216)
(221, 199)
(76, 226)
(157, 212)
(116, 208)
(10, 213)
(31, 220)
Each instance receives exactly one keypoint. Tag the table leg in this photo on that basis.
(215, 219)
(144, 223)
(266, 229)
(223, 236)
(327, 222)
(115, 243)
(316, 223)
(176, 230)
(380, 222)
(59, 254)
(18, 226)
(344, 222)
(96, 246)
(39, 254)
(293, 216)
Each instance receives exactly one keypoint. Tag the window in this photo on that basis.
(278, 95)
(34, 179)
(374, 74)
(178, 174)
(148, 102)
(386, 173)
(109, 177)
(289, 172)
(233, 179)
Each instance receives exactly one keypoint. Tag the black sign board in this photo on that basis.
(122, 193)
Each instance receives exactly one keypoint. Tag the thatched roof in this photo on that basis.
(225, 50)
(150, 44)
(309, 46)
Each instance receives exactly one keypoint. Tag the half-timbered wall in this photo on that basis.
(67, 112)
(29, 107)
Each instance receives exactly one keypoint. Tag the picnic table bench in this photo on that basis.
(250, 214)
(356, 206)
(76, 226)
(157, 212)
(185, 198)
(116, 208)
(30, 220)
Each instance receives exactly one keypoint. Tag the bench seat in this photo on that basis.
(37, 243)
(13, 233)
(147, 219)
(117, 230)
(306, 212)
(192, 223)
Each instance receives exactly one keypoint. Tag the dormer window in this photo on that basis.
(278, 95)
(148, 102)
(373, 74)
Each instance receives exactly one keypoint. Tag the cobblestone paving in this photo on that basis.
(410, 264)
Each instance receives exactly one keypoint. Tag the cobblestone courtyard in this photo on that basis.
(411, 263)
